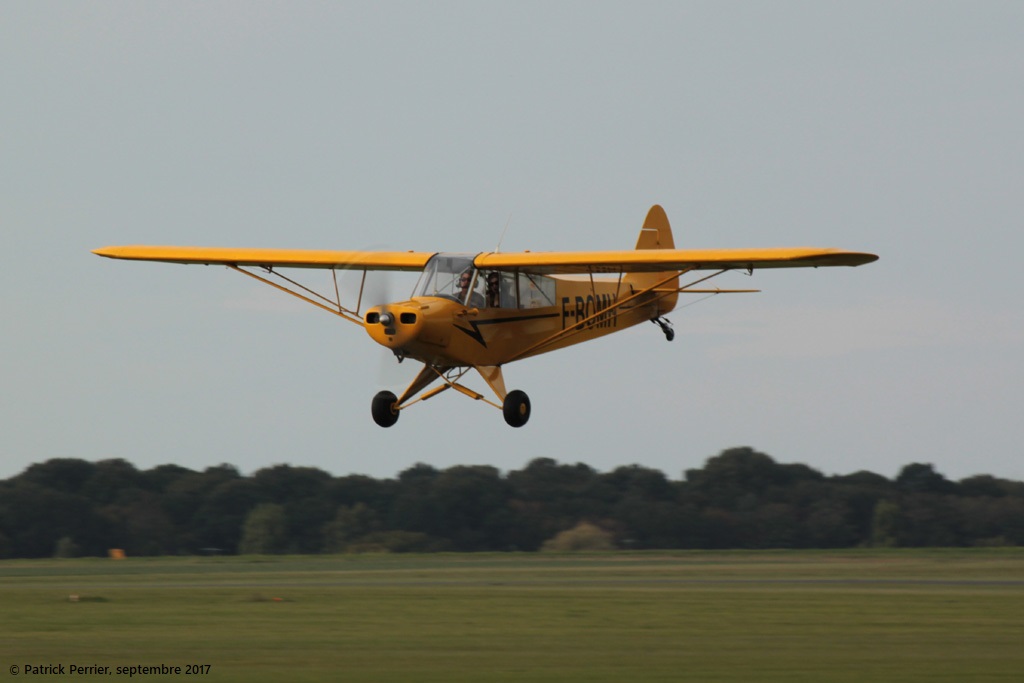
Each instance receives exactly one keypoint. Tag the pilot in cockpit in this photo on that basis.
(464, 280)
(475, 299)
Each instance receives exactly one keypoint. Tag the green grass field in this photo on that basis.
(901, 615)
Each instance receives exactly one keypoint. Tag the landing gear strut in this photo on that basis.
(665, 326)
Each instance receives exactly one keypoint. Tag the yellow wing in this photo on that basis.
(656, 260)
(269, 258)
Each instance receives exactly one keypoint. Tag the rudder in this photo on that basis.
(656, 233)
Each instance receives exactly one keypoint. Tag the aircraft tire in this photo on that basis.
(383, 408)
(516, 408)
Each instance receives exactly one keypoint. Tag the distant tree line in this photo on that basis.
(739, 499)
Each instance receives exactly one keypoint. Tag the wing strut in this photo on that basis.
(618, 307)
(340, 311)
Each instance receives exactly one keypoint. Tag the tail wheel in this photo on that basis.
(516, 408)
(385, 408)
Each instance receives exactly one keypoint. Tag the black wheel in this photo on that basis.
(516, 408)
(384, 408)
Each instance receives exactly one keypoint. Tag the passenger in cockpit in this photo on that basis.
(493, 289)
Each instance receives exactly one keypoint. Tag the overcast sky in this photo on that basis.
(893, 128)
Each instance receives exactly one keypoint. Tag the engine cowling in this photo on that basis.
(394, 325)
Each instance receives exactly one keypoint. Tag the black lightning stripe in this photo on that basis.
(475, 324)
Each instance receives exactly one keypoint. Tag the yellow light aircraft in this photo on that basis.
(482, 311)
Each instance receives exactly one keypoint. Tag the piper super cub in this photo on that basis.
(483, 311)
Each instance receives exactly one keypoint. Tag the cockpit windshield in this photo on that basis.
(451, 276)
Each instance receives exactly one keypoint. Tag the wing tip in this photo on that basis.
(861, 258)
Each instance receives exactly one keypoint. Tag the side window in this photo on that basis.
(509, 299)
(536, 291)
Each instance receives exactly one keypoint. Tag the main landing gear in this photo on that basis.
(516, 408)
(665, 326)
(515, 405)
(385, 408)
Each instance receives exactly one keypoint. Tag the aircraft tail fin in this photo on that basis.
(656, 233)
